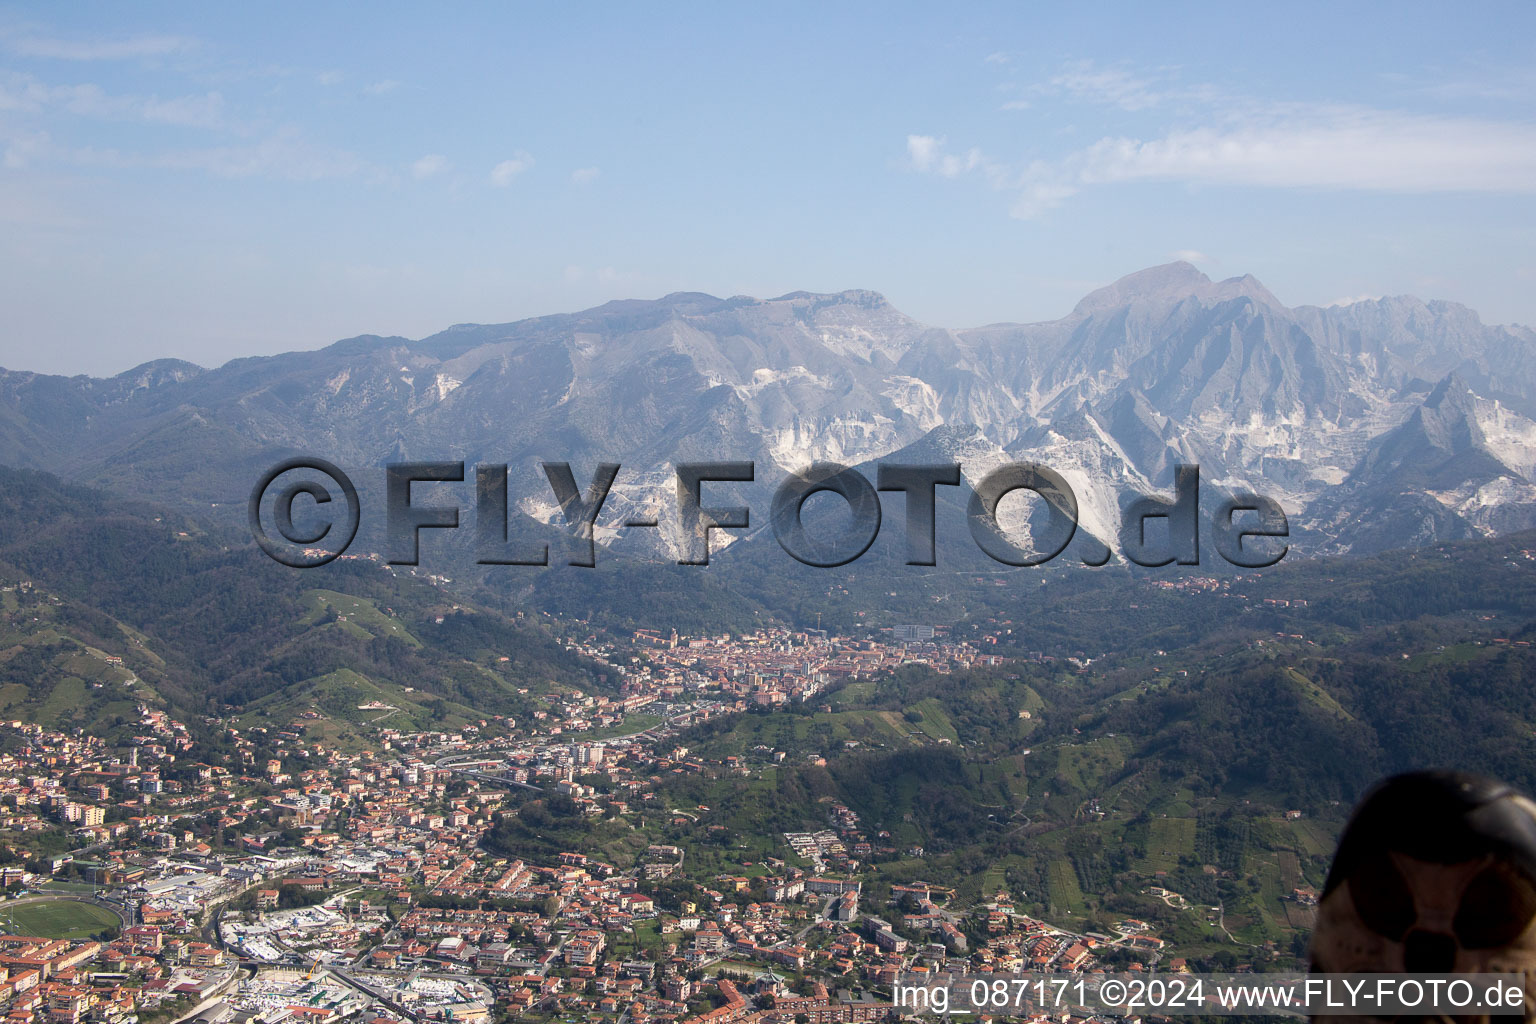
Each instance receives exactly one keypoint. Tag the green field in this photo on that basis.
(356, 615)
(1087, 767)
(1317, 695)
(825, 732)
(934, 722)
(338, 698)
(73, 689)
(57, 919)
(1168, 840)
(1066, 896)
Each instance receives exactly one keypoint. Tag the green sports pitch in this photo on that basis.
(56, 919)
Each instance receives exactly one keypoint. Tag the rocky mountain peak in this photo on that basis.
(160, 371)
(1172, 283)
(1451, 393)
(1164, 366)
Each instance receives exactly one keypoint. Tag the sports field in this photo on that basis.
(56, 919)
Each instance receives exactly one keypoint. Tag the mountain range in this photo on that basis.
(1380, 424)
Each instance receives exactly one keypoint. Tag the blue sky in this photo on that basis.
(211, 181)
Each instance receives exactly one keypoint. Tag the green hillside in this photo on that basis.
(205, 623)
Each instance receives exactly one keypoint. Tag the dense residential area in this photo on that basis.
(308, 882)
(358, 794)
(536, 514)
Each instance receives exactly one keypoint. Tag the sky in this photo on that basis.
(211, 181)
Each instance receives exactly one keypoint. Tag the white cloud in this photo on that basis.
(1087, 82)
(585, 175)
(428, 166)
(328, 78)
(1189, 256)
(1242, 142)
(381, 87)
(1350, 300)
(283, 155)
(99, 49)
(28, 94)
(206, 111)
(504, 173)
(1035, 199)
(952, 166)
(922, 150)
(1514, 84)
(38, 137)
(23, 149)
(1105, 85)
(1342, 148)
(927, 154)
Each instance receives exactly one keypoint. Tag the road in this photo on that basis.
(500, 780)
(821, 915)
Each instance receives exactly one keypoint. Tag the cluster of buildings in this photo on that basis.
(295, 880)
(56, 981)
(780, 666)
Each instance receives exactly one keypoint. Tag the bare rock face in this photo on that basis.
(1380, 424)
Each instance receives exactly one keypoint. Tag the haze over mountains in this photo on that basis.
(1380, 424)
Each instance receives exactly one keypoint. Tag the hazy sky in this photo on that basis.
(216, 180)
